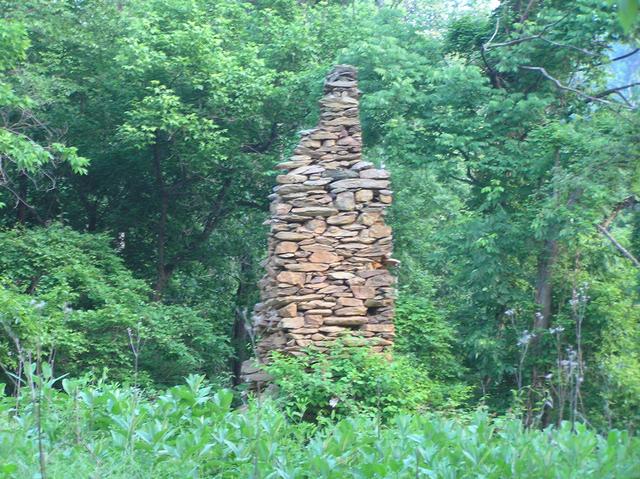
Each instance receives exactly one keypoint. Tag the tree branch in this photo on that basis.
(561, 86)
(626, 55)
(616, 89)
(618, 246)
(628, 202)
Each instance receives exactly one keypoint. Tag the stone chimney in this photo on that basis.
(329, 247)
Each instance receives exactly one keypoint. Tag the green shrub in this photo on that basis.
(424, 333)
(353, 380)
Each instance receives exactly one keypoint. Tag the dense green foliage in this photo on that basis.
(137, 145)
(353, 381)
(69, 296)
(190, 431)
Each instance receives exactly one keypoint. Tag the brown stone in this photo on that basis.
(380, 280)
(342, 219)
(286, 247)
(345, 321)
(291, 278)
(318, 226)
(306, 267)
(363, 292)
(332, 329)
(360, 183)
(340, 275)
(374, 174)
(292, 236)
(379, 328)
(289, 311)
(345, 201)
(292, 323)
(379, 231)
(286, 179)
(364, 195)
(324, 257)
(349, 302)
(315, 211)
(351, 311)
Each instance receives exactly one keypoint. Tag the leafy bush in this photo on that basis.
(424, 333)
(352, 380)
(68, 295)
(190, 431)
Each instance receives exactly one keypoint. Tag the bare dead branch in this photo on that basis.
(616, 89)
(628, 202)
(619, 247)
(561, 86)
(626, 55)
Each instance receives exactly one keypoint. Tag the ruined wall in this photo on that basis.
(329, 247)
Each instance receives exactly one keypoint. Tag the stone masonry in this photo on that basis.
(329, 248)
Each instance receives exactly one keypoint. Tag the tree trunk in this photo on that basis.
(239, 333)
(163, 271)
(544, 284)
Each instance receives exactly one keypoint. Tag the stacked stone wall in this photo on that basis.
(329, 247)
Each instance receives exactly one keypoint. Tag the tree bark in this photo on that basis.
(544, 284)
(239, 333)
(159, 153)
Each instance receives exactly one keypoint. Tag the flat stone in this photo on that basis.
(379, 231)
(292, 323)
(341, 174)
(307, 170)
(364, 195)
(351, 311)
(287, 165)
(321, 312)
(286, 247)
(348, 141)
(324, 257)
(359, 183)
(332, 289)
(314, 211)
(289, 311)
(341, 275)
(323, 135)
(341, 84)
(379, 328)
(363, 292)
(287, 179)
(345, 201)
(350, 302)
(318, 182)
(294, 188)
(292, 236)
(368, 218)
(332, 329)
(280, 208)
(381, 280)
(290, 277)
(374, 174)
(374, 303)
(307, 267)
(334, 231)
(345, 321)
(361, 165)
(318, 226)
(342, 219)
(342, 121)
